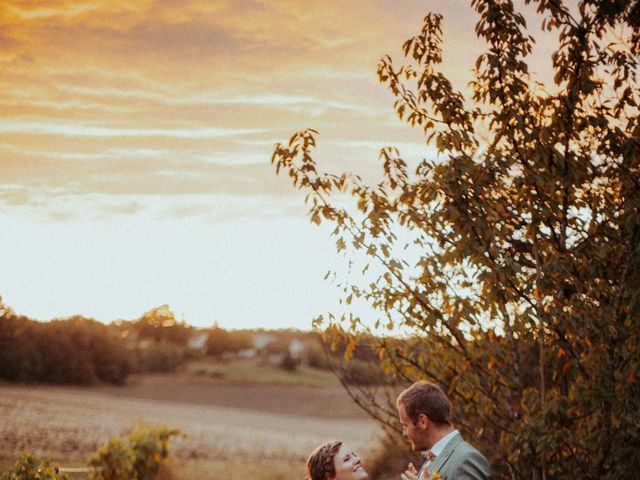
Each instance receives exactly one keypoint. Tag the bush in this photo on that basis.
(137, 459)
(362, 372)
(29, 467)
(288, 362)
(317, 357)
(114, 460)
(220, 341)
(160, 357)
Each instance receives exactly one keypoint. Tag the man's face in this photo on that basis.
(414, 432)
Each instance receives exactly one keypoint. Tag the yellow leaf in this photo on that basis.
(351, 346)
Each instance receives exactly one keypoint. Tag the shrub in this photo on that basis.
(362, 372)
(160, 357)
(150, 445)
(317, 357)
(114, 460)
(220, 341)
(29, 467)
(137, 459)
(288, 362)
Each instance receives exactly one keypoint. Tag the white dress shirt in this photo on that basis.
(440, 444)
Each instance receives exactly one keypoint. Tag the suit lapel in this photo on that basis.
(439, 462)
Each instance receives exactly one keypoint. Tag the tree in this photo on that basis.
(160, 325)
(513, 259)
(75, 350)
(218, 342)
(221, 341)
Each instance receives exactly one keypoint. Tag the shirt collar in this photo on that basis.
(440, 444)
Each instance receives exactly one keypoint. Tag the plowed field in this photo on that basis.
(220, 421)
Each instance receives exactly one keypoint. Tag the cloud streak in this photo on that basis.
(81, 130)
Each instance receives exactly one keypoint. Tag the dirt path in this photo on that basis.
(73, 421)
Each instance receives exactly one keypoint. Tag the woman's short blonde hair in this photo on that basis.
(320, 464)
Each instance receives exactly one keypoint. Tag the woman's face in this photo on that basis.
(348, 465)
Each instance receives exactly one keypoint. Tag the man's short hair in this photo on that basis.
(426, 398)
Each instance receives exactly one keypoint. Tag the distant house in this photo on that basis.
(198, 341)
(247, 353)
(261, 340)
(297, 349)
(273, 349)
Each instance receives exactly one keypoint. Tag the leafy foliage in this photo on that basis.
(159, 324)
(159, 357)
(221, 341)
(28, 467)
(137, 459)
(76, 350)
(114, 460)
(512, 258)
(288, 362)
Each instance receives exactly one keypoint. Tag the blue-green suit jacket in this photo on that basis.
(460, 461)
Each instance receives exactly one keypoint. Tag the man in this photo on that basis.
(425, 416)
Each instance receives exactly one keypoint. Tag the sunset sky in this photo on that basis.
(135, 140)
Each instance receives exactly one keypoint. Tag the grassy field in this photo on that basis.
(249, 422)
(255, 372)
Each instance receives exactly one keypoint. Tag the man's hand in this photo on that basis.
(411, 473)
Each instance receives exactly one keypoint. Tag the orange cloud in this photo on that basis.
(174, 96)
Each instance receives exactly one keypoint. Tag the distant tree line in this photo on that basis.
(157, 341)
(80, 350)
(220, 341)
(76, 350)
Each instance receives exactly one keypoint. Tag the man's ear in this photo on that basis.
(423, 421)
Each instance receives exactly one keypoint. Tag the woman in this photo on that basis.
(334, 461)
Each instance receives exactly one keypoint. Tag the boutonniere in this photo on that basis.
(428, 455)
